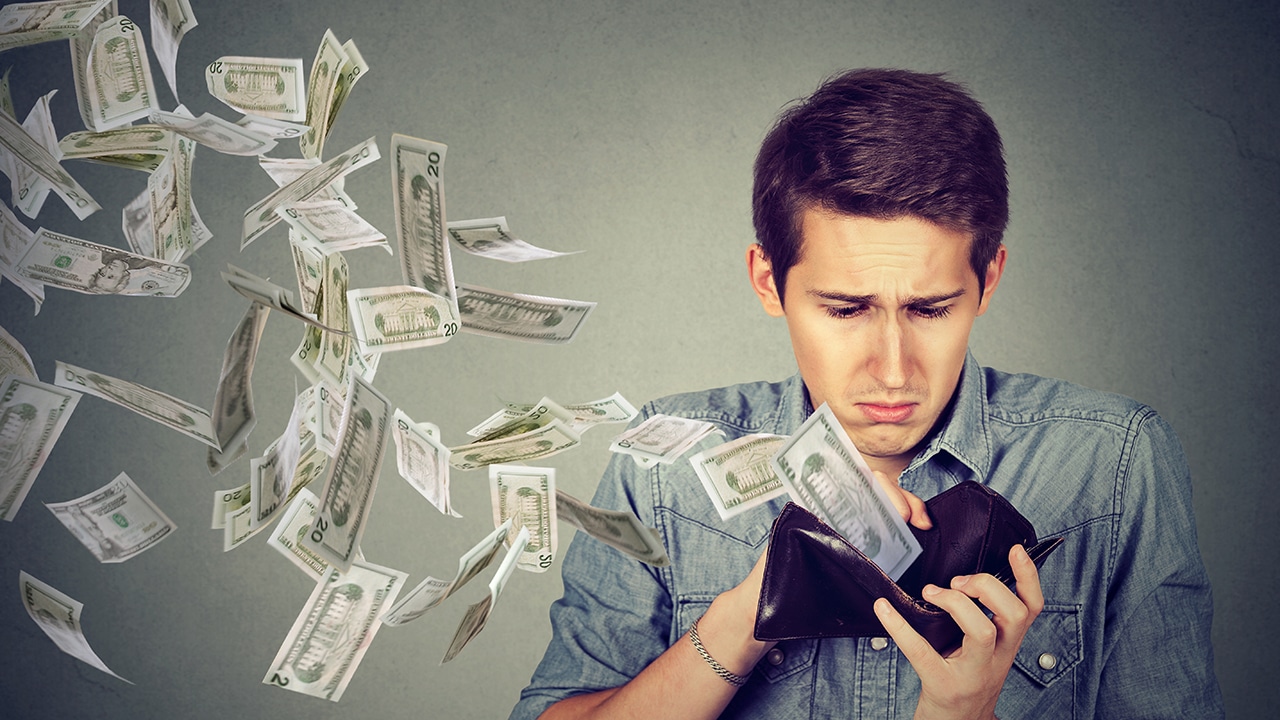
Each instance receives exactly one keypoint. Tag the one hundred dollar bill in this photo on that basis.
(547, 440)
(352, 478)
(19, 149)
(226, 502)
(138, 147)
(491, 238)
(619, 529)
(120, 87)
(738, 475)
(417, 175)
(517, 316)
(824, 473)
(37, 22)
(32, 416)
(58, 615)
(87, 267)
(661, 438)
(432, 591)
(170, 20)
(612, 409)
(526, 495)
(14, 359)
(423, 461)
(477, 615)
(288, 537)
(115, 522)
(233, 413)
(399, 317)
(324, 647)
(266, 87)
(262, 216)
(165, 409)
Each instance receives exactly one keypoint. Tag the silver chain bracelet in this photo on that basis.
(722, 671)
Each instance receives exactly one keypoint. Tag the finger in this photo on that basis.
(895, 494)
(979, 631)
(919, 514)
(914, 647)
(1010, 615)
(1027, 576)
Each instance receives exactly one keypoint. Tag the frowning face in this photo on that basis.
(879, 313)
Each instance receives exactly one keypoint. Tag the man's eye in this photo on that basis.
(930, 312)
(844, 312)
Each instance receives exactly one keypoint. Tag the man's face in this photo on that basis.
(879, 313)
(109, 275)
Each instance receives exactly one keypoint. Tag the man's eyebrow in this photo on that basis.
(869, 299)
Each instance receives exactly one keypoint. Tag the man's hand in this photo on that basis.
(966, 684)
(909, 506)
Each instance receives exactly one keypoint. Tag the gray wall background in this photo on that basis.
(1145, 166)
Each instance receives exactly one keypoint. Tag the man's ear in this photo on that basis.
(994, 270)
(762, 281)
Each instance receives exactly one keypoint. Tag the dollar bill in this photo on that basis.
(120, 88)
(58, 616)
(135, 222)
(330, 403)
(738, 475)
(619, 529)
(324, 647)
(517, 316)
(169, 197)
(15, 240)
(352, 70)
(233, 413)
(170, 20)
(432, 591)
(661, 438)
(526, 495)
(612, 409)
(274, 129)
(32, 416)
(213, 132)
(239, 527)
(824, 473)
(491, 238)
(272, 477)
(81, 47)
(115, 522)
(266, 87)
(29, 188)
(545, 441)
(308, 267)
(417, 174)
(288, 536)
(138, 147)
(262, 216)
(399, 317)
(332, 226)
(423, 461)
(265, 292)
(477, 615)
(165, 409)
(226, 502)
(14, 359)
(334, 71)
(6, 98)
(541, 413)
(285, 170)
(21, 150)
(37, 22)
(353, 475)
(335, 348)
(86, 267)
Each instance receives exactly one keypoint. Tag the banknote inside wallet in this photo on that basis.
(816, 584)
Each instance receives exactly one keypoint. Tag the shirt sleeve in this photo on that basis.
(1158, 655)
(615, 615)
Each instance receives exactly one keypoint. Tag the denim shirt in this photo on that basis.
(1125, 627)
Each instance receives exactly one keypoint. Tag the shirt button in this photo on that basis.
(879, 643)
(775, 657)
(1047, 661)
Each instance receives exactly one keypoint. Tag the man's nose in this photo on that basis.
(890, 358)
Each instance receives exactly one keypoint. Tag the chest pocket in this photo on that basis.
(786, 659)
(1052, 645)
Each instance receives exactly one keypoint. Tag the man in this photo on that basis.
(880, 204)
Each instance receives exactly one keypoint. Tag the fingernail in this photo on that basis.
(881, 607)
(931, 590)
(959, 581)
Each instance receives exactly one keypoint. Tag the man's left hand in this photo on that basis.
(966, 684)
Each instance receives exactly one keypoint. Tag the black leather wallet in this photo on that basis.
(818, 585)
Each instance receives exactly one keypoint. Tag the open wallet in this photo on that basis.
(817, 585)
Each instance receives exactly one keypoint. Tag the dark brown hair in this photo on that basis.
(883, 144)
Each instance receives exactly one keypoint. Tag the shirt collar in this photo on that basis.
(963, 433)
